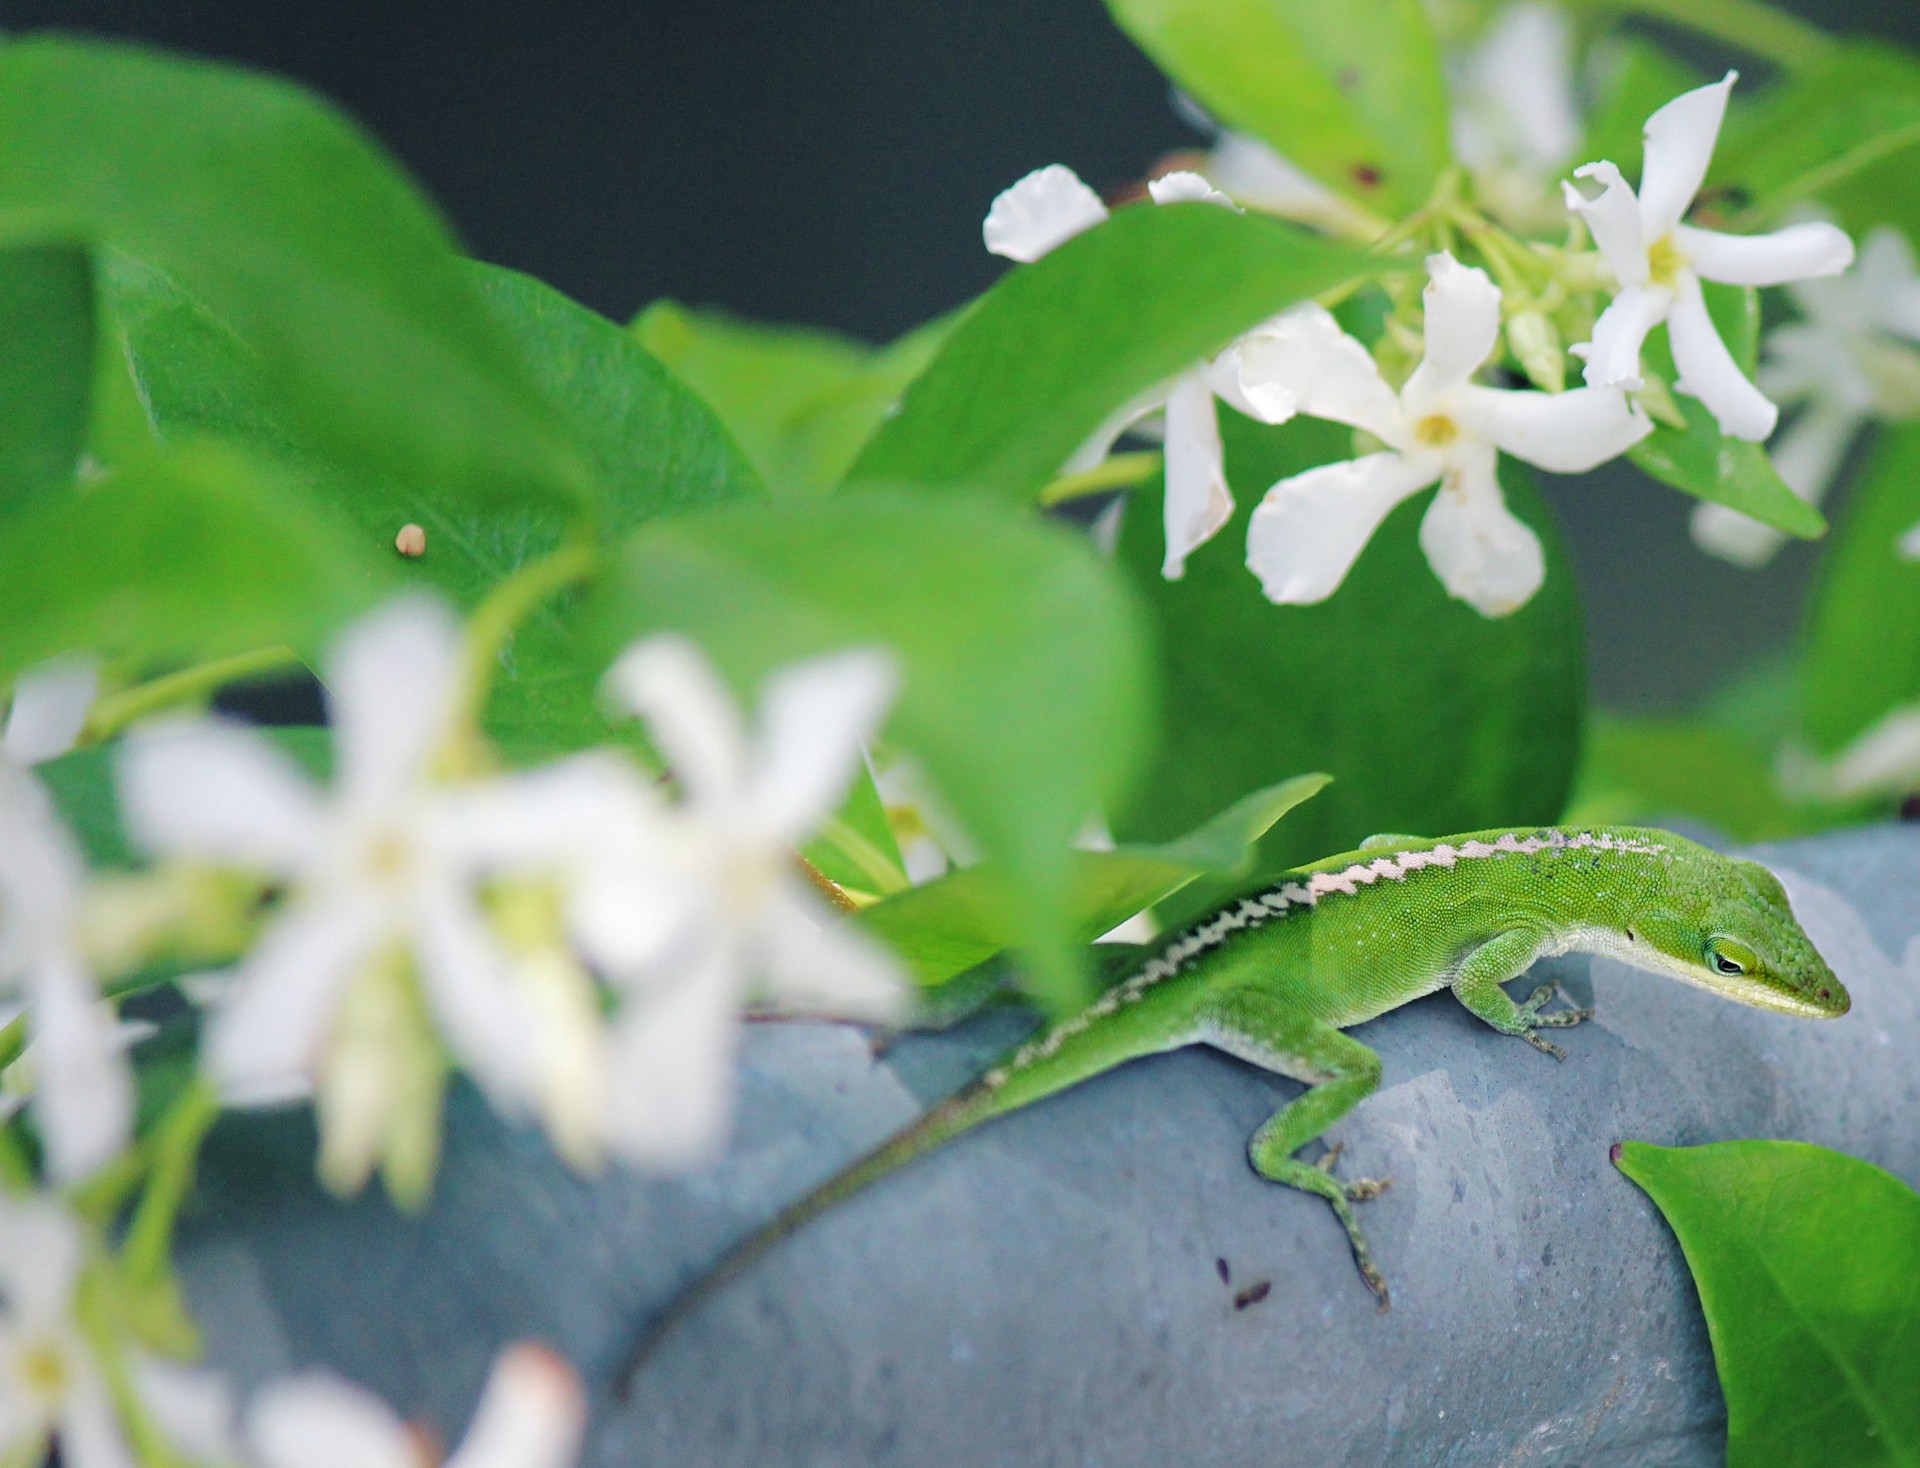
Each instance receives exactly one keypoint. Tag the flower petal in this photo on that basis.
(278, 1014)
(317, 1420)
(1482, 554)
(1198, 502)
(1613, 218)
(1708, 372)
(49, 709)
(89, 1430)
(1566, 432)
(1680, 143)
(469, 987)
(1309, 530)
(814, 964)
(689, 712)
(531, 1415)
(1886, 277)
(1185, 187)
(1613, 356)
(393, 684)
(562, 814)
(1327, 373)
(1045, 209)
(85, 1105)
(625, 917)
(219, 791)
(1798, 252)
(41, 1254)
(1462, 325)
(1515, 102)
(814, 719)
(193, 1407)
(1264, 402)
(672, 1082)
(1722, 531)
(42, 871)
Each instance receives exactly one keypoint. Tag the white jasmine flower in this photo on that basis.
(1848, 359)
(49, 709)
(53, 1384)
(85, 1093)
(380, 937)
(1660, 262)
(1050, 206)
(1515, 120)
(531, 1415)
(696, 916)
(1251, 173)
(1308, 531)
(1882, 762)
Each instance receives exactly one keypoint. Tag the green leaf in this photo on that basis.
(302, 236)
(1804, 1259)
(1843, 131)
(1635, 79)
(1024, 677)
(800, 403)
(1353, 93)
(1430, 717)
(944, 927)
(857, 848)
(1642, 771)
(46, 371)
(1863, 649)
(1045, 357)
(195, 552)
(1702, 461)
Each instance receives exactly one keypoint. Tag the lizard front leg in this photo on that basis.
(1341, 1071)
(1496, 961)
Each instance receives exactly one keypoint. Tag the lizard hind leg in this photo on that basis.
(1341, 1073)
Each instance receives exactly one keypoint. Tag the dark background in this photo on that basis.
(828, 162)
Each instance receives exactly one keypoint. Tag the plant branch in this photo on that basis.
(112, 714)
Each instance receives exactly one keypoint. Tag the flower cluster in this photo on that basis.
(1438, 423)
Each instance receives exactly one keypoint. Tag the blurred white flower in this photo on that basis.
(531, 1415)
(1909, 543)
(1516, 123)
(1310, 529)
(49, 709)
(1660, 262)
(85, 1092)
(698, 914)
(380, 938)
(1848, 359)
(1251, 173)
(1882, 762)
(1051, 205)
(53, 1384)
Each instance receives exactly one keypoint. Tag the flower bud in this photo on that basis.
(1535, 343)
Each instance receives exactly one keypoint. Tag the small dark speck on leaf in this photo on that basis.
(1366, 175)
(1253, 1294)
(1220, 1268)
(1348, 79)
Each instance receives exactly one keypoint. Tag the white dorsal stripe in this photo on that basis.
(1261, 908)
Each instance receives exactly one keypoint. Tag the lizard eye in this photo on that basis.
(1724, 956)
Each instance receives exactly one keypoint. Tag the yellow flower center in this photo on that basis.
(43, 1368)
(1435, 431)
(388, 856)
(1665, 261)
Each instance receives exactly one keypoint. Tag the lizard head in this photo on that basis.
(1735, 933)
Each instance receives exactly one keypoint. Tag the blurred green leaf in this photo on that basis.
(1643, 771)
(945, 927)
(1804, 1259)
(800, 403)
(1353, 93)
(46, 371)
(1024, 677)
(303, 237)
(195, 552)
(1702, 461)
(1635, 78)
(857, 848)
(1863, 646)
(1430, 717)
(1056, 347)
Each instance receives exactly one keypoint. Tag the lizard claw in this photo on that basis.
(1545, 1047)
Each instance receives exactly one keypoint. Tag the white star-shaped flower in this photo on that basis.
(531, 1415)
(381, 936)
(1049, 207)
(83, 1086)
(49, 709)
(695, 915)
(1849, 358)
(1310, 529)
(1660, 261)
(53, 1381)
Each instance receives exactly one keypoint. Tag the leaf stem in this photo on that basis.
(175, 1150)
(1121, 471)
(509, 604)
(112, 714)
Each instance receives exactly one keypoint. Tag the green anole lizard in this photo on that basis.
(1275, 977)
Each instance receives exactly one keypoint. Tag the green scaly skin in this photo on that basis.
(1275, 977)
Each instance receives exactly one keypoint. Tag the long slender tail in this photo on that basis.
(959, 1113)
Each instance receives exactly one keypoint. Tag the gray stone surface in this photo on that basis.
(1046, 1292)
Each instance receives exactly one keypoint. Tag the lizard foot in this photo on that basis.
(1357, 1189)
(1559, 1018)
(1545, 1047)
